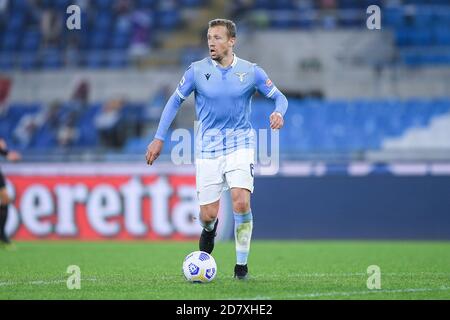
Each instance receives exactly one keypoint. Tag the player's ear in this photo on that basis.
(232, 41)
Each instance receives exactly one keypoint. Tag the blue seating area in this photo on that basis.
(422, 31)
(421, 27)
(347, 126)
(106, 35)
(109, 31)
(291, 14)
(311, 125)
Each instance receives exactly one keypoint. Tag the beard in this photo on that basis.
(216, 58)
(219, 57)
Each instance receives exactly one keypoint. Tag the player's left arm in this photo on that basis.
(266, 87)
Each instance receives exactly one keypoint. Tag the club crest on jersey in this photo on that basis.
(182, 81)
(268, 83)
(241, 75)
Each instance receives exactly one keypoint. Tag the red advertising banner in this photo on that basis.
(105, 206)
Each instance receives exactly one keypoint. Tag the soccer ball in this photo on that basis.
(199, 266)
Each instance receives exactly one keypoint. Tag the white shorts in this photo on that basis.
(234, 170)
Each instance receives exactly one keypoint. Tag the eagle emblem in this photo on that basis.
(241, 75)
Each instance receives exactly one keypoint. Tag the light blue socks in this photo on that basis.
(243, 225)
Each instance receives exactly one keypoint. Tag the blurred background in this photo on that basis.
(365, 151)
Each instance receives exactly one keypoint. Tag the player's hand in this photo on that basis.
(13, 156)
(276, 120)
(153, 151)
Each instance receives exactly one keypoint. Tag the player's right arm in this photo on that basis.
(184, 89)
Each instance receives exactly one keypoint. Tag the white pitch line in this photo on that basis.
(355, 274)
(343, 293)
(39, 282)
(301, 295)
(259, 277)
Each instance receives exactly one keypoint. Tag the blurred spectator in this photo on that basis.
(239, 8)
(34, 13)
(328, 14)
(409, 13)
(3, 12)
(51, 27)
(68, 132)
(109, 125)
(50, 116)
(25, 130)
(122, 9)
(122, 6)
(155, 107)
(5, 87)
(328, 4)
(29, 124)
(80, 96)
(140, 37)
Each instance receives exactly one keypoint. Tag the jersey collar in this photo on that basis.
(231, 66)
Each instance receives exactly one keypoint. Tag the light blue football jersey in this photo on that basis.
(223, 104)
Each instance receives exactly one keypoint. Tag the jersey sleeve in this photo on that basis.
(263, 84)
(187, 84)
(266, 87)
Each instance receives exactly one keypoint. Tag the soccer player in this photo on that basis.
(4, 198)
(224, 85)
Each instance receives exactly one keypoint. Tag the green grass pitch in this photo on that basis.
(279, 270)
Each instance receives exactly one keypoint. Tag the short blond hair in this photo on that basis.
(230, 25)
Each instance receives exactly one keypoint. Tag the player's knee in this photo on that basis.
(241, 200)
(209, 212)
(241, 205)
(207, 216)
